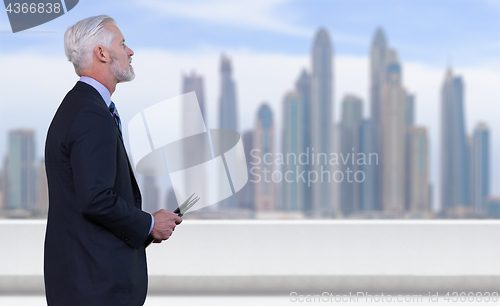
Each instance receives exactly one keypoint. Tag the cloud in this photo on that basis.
(253, 14)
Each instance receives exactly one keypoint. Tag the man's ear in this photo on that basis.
(102, 54)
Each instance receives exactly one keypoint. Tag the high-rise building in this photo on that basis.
(410, 110)
(292, 142)
(393, 133)
(335, 193)
(246, 194)
(228, 117)
(150, 194)
(303, 87)
(21, 171)
(3, 185)
(228, 110)
(352, 114)
(265, 197)
(366, 191)
(454, 148)
(378, 71)
(42, 191)
(321, 119)
(409, 122)
(419, 169)
(480, 168)
(2, 188)
(194, 152)
(493, 207)
(194, 82)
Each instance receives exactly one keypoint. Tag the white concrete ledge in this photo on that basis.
(277, 257)
(283, 285)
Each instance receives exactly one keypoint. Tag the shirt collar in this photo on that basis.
(103, 91)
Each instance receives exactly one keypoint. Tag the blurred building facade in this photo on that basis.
(228, 114)
(292, 142)
(352, 115)
(366, 191)
(418, 186)
(303, 88)
(480, 168)
(409, 124)
(392, 144)
(42, 191)
(265, 196)
(194, 153)
(454, 148)
(246, 199)
(20, 176)
(378, 71)
(322, 119)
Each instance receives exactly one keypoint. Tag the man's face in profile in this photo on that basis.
(121, 56)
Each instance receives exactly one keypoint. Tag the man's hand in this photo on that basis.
(165, 223)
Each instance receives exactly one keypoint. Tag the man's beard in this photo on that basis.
(120, 74)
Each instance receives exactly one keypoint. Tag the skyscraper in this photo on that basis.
(265, 197)
(42, 191)
(194, 82)
(2, 190)
(335, 193)
(21, 171)
(292, 142)
(409, 123)
(3, 181)
(493, 207)
(378, 71)
(480, 168)
(228, 115)
(303, 87)
(454, 159)
(246, 194)
(419, 169)
(352, 114)
(192, 151)
(393, 133)
(321, 119)
(366, 140)
(228, 111)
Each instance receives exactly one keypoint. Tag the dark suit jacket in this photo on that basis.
(94, 244)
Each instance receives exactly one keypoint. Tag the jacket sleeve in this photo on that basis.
(92, 142)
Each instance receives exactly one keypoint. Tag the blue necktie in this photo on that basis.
(116, 116)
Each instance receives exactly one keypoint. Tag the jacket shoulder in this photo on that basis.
(81, 100)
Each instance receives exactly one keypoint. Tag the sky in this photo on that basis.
(269, 42)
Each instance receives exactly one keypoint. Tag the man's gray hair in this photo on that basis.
(81, 39)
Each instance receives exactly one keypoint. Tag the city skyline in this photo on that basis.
(395, 134)
(365, 101)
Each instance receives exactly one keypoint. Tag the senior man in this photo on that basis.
(96, 230)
